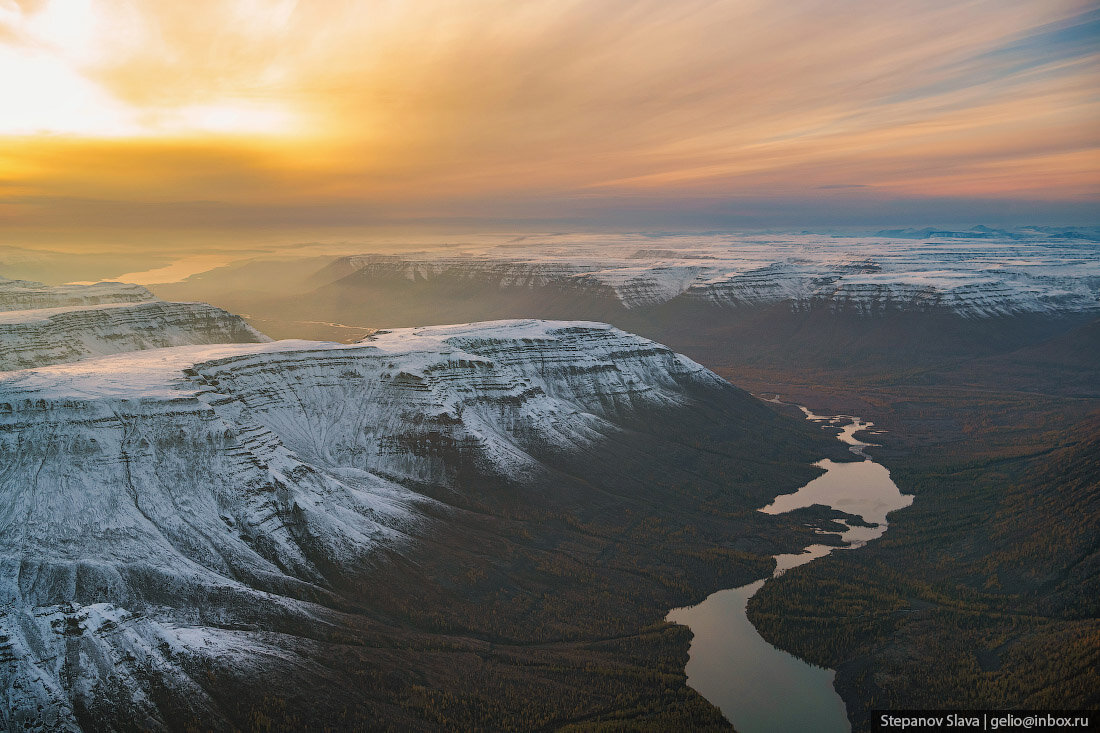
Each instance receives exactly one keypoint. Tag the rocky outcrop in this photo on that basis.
(19, 295)
(956, 276)
(155, 500)
(41, 325)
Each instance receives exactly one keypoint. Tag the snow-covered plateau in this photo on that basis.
(156, 505)
(975, 273)
(20, 295)
(41, 324)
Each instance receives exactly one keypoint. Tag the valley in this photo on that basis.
(981, 595)
(783, 692)
(485, 524)
(549, 366)
(422, 529)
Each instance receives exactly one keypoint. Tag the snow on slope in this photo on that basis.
(150, 497)
(975, 277)
(18, 295)
(48, 325)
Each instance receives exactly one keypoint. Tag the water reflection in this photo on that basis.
(757, 687)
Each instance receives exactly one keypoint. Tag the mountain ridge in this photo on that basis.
(42, 324)
(167, 508)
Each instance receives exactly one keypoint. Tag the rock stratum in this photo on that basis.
(181, 526)
(971, 277)
(768, 301)
(41, 324)
(21, 295)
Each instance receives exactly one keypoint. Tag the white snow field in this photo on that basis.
(150, 499)
(974, 273)
(42, 324)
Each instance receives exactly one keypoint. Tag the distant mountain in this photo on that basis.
(41, 325)
(987, 274)
(60, 267)
(860, 279)
(1084, 234)
(21, 295)
(978, 232)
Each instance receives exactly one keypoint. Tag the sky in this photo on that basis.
(129, 120)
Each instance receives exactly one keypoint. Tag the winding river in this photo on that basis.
(760, 688)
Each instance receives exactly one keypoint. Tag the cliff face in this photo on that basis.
(967, 278)
(19, 295)
(156, 503)
(41, 325)
(31, 338)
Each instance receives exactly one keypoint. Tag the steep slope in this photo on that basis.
(774, 298)
(188, 531)
(31, 338)
(1068, 363)
(971, 279)
(20, 295)
(41, 325)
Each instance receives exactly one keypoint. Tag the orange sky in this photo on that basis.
(125, 114)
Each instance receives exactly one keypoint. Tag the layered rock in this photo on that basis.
(971, 279)
(153, 501)
(20, 295)
(41, 325)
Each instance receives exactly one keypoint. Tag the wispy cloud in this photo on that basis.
(429, 106)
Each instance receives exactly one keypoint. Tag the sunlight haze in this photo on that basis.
(252, 115)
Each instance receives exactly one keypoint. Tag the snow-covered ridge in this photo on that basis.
(20, 295)
(73, 322)
(150, 496)
(972, 276)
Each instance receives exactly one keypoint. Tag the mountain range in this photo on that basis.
(215, 535)
(975, 355)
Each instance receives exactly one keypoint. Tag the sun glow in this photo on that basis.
(51, 78)
(440, 108)
(42, 94)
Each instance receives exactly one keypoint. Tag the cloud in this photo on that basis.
(429, 105)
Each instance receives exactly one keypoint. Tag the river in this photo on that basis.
(761, 689)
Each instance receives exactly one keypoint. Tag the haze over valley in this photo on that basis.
(180, 486)
(631, 365)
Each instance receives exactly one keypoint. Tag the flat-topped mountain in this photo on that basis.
(963, 278)
(990, 275)
(41, 324)
(188, 530)
(20, 295)
(765, 300)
